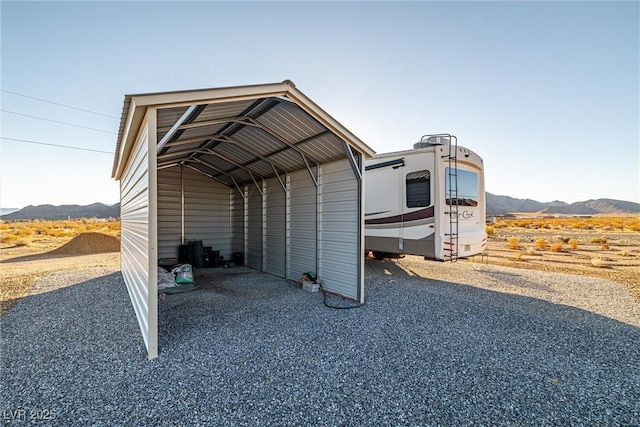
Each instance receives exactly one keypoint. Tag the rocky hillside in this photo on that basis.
(500, 205)
(51, 212)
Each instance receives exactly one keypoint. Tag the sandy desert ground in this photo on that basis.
(612, 255)
(21, 266)
(617, 260)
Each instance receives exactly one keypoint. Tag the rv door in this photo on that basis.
(384, 206)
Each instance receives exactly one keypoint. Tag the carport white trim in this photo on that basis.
(152, 338)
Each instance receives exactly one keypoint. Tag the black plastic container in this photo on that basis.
(183, 254)
(215, 259)
(238, 258)
(196, 254)
(208, 255)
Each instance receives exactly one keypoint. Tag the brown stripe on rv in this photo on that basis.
(411, 216)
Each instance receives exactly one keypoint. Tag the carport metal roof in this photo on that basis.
(237, 135)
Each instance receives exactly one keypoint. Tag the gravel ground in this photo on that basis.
(596, 295)
(251, 349)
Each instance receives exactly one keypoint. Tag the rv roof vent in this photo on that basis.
(431, 141)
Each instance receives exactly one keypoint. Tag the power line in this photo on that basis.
(56, 145)
(57, 103)
(56, 121)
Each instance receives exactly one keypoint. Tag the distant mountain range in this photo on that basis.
(7, 211)
(95, 210)
(496, 205)
(500, 205)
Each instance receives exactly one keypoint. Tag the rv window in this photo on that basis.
(467, 188)
(418, 189)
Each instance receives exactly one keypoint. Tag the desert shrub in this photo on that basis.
(24, 232)
(518, 256)
(38, 229)
(490, 230)
(63, 229)
(584, 223)
(59, 232)
(536, 225)
(599, 240)
(23, 242)
(531, 250)
(8, 238)
(573, 244)
(513, 243)
(605, 247)
(114, 226)
(541, 243)
(598, 262)
(557, 247)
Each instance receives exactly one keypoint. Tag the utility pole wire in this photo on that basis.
(58, 103)
(56, 145)
(56, 121)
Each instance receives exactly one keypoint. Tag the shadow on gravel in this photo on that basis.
(34, 257)
(47, 255)
(251, 349)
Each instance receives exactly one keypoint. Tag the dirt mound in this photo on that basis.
(89, 243)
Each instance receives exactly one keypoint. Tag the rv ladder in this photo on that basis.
(451, 185)
(452, 198)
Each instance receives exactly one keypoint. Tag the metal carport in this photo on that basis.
(257, 169)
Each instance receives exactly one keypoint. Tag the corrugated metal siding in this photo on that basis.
(327, 147)
(225, 109)
(237, 225)
(234, 152)
(201, 132)
(243, 157)
(291, 159)
(253, 258)
(207, 212)
(276, 228)
(339, 254)
(216, 164)
(288, 119)
(281, 123)
(134, 214)
(302, 225)
(169, 212)
(166, 119)
(206, 209)
(258, 140)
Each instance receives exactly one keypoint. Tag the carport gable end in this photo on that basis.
(261, 170)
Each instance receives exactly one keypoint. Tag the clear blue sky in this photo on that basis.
(546, 92)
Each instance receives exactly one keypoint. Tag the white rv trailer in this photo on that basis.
(429, 201)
